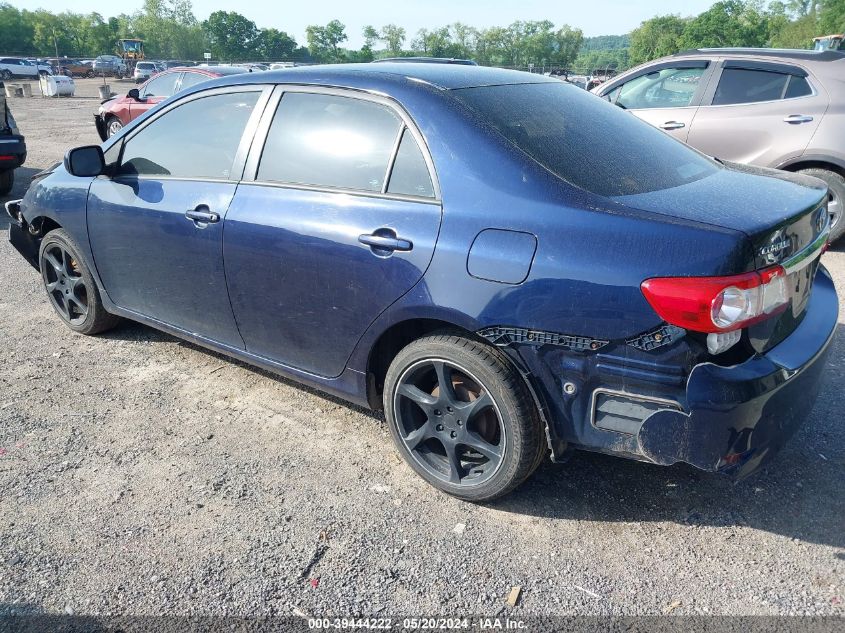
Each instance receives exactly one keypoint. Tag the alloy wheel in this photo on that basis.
(65, 285)
(449, 423)
(834, 208)
(114, 126)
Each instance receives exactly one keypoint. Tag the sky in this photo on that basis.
(593, 17)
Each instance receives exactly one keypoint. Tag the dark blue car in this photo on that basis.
(504, 263)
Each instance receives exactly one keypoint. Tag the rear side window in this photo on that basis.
(741, 85)
(585, 140)
(191, 79)
(410, 174)
(329, 141)
(797, 87)
(179, 144)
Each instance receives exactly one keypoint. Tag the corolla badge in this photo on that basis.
(778, 243)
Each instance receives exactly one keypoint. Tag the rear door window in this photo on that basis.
(748, 85)
(329, 141)
(192, 79)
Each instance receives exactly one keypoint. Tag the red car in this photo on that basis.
(116, 112)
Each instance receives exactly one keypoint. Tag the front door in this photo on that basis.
(340, 221)
(156, 227)
(665, 96)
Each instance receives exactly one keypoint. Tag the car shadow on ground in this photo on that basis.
(797, 495)
(23, 176)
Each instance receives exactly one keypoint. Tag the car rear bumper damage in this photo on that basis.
(738, 417)
(729, 419)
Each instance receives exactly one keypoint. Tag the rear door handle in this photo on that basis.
(384, 241)
(797, 118)
(202, 214)
(672, 125)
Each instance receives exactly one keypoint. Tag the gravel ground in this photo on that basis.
(142, 475)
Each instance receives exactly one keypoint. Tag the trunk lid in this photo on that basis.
(783, 215)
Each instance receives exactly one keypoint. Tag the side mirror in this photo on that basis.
(86, 161)
(134, 94)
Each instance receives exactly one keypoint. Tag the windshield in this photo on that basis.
(586, 141)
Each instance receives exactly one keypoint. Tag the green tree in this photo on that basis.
(231, 36)
(727, 23)
(274, 45)
(657, 37)
(324, 41)
(393, 36)
(832, 17)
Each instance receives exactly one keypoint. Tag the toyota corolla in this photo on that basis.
(508, 266)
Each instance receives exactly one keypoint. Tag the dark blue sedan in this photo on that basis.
(506, 264)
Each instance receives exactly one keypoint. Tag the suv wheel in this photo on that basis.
(461, 417)
(836, 199)
(7, 181)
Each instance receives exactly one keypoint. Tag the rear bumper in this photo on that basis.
(738, 417)
(12, 152)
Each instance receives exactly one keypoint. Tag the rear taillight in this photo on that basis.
(718, 304)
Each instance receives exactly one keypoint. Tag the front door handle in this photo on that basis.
(672, 125)
(384, 242)
(202, 214)
(797, 118)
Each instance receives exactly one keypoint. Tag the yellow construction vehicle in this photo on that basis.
(829, 43)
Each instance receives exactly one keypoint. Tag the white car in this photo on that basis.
(14, 67)
(143, 71)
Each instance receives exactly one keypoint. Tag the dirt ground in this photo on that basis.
(142, 475)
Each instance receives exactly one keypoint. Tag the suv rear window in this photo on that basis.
(586, 141)
(745, 85)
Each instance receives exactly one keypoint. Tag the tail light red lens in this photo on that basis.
(718, 304)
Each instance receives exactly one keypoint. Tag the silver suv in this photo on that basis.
(765, 107)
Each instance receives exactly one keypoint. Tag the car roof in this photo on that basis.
(425, 60)
(440, 76)
(779, 53)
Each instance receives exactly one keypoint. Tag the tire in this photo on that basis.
(5, 74)
(476, 452)
(70, 287)
(836, 201)
(89, 74)
(113, 126)
(7, 181)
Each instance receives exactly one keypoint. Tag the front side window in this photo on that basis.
(744, 85)
(163, 86)
(665, 88)
(329, 141)
(584, 140)
(179, 144)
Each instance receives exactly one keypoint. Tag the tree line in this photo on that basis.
(172, 31)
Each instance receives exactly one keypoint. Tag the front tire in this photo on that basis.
(113, 126)
(836, 199)
(70, 287)
(7, 181)
(5, 75)
(462, 417)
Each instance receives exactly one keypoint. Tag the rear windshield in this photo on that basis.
(586, 141)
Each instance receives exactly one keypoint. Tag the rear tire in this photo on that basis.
(836, 200)
(7, 181)
(474, 452)
(70, 287)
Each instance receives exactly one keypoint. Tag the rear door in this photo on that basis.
(666, 94)
(758, 113)
(336, 218)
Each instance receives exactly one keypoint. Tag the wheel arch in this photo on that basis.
(392, 340)
(814, 162)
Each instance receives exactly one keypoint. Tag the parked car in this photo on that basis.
(144, 70)
(70, 67)
(504, 263)
(12, 146)
(117, 112)
(15, 67)
(109, 66)
(772, 108)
